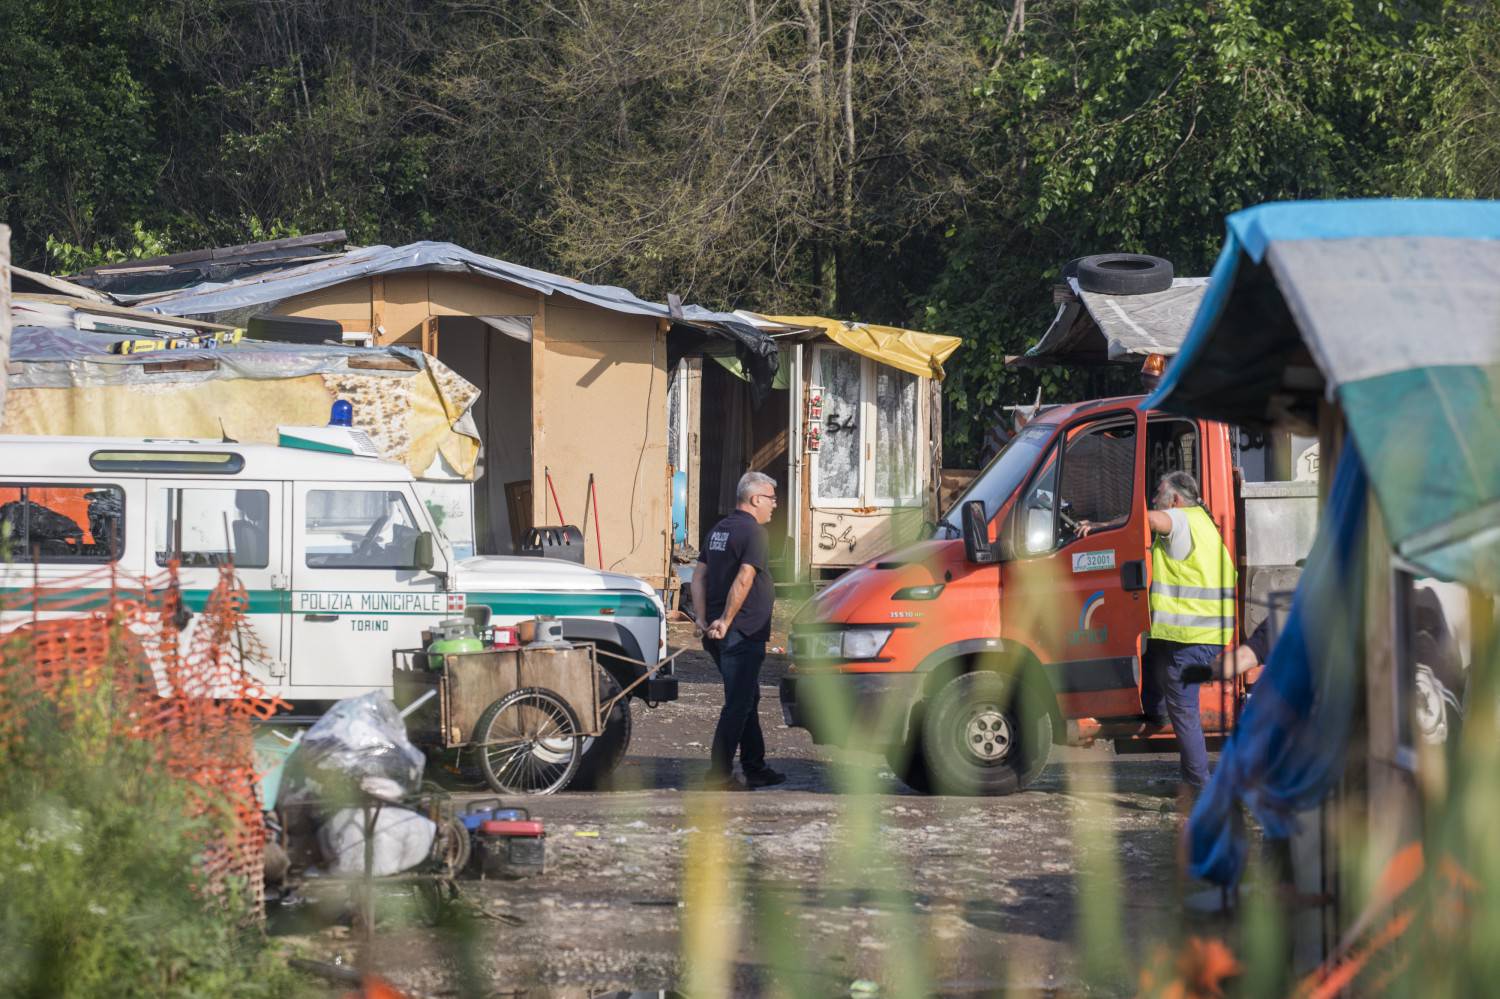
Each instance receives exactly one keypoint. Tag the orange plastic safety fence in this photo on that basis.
(176, 678)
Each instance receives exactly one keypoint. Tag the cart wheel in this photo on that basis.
(528, 742)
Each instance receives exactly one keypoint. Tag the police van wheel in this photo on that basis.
(985, 733)
(603, 754)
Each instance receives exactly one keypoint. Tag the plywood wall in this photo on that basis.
(604, 378)
(599, 397)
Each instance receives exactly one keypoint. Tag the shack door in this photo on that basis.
(205, 525)
(1080, 600)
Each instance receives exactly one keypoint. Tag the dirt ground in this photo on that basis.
(837, 892)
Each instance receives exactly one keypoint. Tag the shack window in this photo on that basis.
(359, 529)
(213, 527)
(67, 524)
(895, 454)
(838, 375)
(869, 450)
(1434, 653)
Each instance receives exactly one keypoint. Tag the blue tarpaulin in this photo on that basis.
(1289, 747)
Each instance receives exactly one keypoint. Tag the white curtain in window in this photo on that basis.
(838, 459)
(895, 434)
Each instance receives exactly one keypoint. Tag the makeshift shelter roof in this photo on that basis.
(159, 275)
(1392, 308)
(67, 312)
(216, 298)
(920, 354)
(273, 281)
(1094, 328)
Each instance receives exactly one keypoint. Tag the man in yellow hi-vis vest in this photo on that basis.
(1192, 616)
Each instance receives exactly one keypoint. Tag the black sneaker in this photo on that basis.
(765, 778)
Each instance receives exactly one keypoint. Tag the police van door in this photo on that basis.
(357, 593)
(203, 525)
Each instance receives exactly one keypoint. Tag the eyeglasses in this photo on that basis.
(765, 496)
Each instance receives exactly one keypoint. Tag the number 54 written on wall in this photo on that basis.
(828, 540)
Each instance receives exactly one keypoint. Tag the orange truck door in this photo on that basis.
(1075, 591)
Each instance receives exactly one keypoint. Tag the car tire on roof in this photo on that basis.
(1124, 274)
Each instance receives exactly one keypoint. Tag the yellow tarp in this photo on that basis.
(411, 419)
(921, 354)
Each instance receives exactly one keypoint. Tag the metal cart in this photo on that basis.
(522, 712)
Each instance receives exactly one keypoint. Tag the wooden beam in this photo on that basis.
(769, 452)
(377, 311)
(538, 413)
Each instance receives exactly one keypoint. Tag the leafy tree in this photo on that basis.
(1139, 126)
(80, 155)
(769, 153)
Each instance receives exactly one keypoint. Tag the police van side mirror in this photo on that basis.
(422, 552)
(978, 548)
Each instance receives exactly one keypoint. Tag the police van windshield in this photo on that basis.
(1001, 476)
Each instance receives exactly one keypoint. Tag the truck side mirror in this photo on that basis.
(422, 552)
(977, 546)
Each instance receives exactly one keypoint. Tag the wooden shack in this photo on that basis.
(851, 431)
(572, 376)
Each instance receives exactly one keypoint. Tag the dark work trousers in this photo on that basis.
(1164, 697)
(738, 659)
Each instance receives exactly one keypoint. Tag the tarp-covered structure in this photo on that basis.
(235, 301)
(573, 377)
(66, 382)
(1381, 319)
(1393, 309)
(1093, 328)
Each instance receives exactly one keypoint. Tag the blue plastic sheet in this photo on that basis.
(1288, 750)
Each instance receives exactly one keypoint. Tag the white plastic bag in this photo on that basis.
(403, 839)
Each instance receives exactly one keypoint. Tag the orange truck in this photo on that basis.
(965, 657)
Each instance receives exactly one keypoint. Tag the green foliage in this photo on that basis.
(1138, 126)
(925, 163)
(99, 885)
(79, 149)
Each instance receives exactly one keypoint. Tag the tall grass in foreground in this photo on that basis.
(1434, 937)
(101, 891)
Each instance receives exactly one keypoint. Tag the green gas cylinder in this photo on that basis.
(452, 636)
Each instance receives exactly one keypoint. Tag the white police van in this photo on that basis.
(342, 561)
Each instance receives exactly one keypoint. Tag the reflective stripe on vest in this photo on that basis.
(1192, 599)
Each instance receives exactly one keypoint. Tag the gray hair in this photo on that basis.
(749, 482)
(1183, 485)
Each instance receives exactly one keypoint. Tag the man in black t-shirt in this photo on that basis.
(732, 596)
